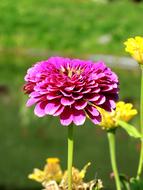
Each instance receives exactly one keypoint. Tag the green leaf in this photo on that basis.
(136, 184)
(125, 182)
(130, 129)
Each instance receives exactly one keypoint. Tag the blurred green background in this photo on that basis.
(32, 30)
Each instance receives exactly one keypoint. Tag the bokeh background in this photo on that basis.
(32, 30)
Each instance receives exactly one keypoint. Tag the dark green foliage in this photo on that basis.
(136, 184)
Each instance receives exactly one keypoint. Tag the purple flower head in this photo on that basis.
(71, 89)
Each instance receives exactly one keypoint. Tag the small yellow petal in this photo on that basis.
(83, 171)
(52, 160)
(37, 175)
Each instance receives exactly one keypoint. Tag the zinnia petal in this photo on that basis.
(81, 104)
(59, 111)
(66, 117)
(96, 119)
(40, 109)
(92, 110)
(67, 101)
(78, 117)
(52, 107)
(31, 101)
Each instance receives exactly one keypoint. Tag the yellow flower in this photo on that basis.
(37, 175)
(124, 111)
(134, 46)
(52, 171)
(77, 176)
(52, 177)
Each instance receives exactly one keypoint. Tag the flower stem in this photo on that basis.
(111, 140)
(70, 155)
(139, 171)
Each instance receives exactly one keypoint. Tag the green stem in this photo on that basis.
(70, 155)
(111, 140)
(139, 171)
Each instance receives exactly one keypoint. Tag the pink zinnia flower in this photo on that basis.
(71, 89)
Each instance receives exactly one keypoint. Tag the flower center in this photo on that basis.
(70, 71)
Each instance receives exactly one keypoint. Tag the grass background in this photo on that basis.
(32, 30)
(71, 27)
